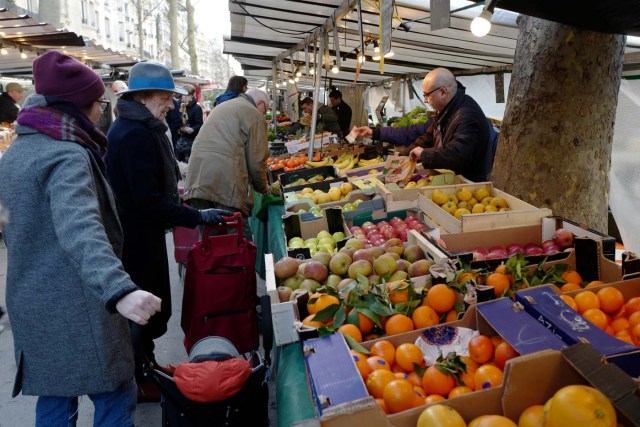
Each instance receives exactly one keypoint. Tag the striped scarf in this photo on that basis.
(64, 121)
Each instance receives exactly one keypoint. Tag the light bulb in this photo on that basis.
(312, 71)
(481, 25)
(298, 73)
(4, 51)
(335, 69)
(361, 57)
(376, 53)
(389, 54)
(297, 79)
(23, 55)
(291, 80)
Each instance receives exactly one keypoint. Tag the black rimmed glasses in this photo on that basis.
(104, 104)
(428, 94)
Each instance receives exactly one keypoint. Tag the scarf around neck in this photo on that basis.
(63, 121)
(136, 111)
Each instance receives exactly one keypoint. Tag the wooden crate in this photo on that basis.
(522, 213)
(400, 199)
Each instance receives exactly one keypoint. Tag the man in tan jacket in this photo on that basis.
(229, 153)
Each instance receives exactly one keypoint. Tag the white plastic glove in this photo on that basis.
(139, 306)
(187, 129)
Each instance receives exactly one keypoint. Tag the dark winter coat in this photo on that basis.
(400, 136)
(174, 121)
(138, 172)
(343, 112)
(194, 119)
(459, 139)
(8, 109)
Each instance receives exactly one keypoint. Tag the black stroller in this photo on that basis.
(249, 407)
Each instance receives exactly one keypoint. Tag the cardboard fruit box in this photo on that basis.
(521, 213)
(295, 225)
(396, 198)
(528, 380)
(495, 318)
(461, 245)
(544, 304)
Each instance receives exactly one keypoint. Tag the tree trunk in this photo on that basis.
(140, 15)
(174, 34)
(191, 39)
(556, 137)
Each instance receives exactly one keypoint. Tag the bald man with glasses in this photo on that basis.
(459, 137)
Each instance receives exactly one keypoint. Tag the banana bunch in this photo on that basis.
(369, 162)
(350, 165)
(344, 160)
(324, 162)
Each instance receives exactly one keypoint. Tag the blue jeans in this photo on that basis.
(112, 409)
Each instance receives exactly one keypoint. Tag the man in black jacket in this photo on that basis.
(8, 102)
(342, 110)
(459, 137)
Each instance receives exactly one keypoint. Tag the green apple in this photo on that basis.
(311, 240)
(348, 207)
(327, 241)
(296, 242)
(323, 235)
(337, 236)
(310, 245)
(356, 203)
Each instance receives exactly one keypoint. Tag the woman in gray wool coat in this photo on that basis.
(68, 297)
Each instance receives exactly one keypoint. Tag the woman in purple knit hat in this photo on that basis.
(68, 297)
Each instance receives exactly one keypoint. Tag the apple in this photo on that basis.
(390, 233)
(563, 238)
(403, 235)
(348, 251)
(284, 293)
(322, 257)
(393, 254)
(393, 242)
(398, 275)
(385, 264)
(355, 228)
(285, 268)
(345, 282)
(548, 243)
(481, 250)
(399, 250)
(413, 253)
(373, 278)
(367, 224)
(332, 281)
(340, 263)
(376, 251)
(419, 268)
(477, 256)
(310, 285)
(394, 221)
(324, 234)
(293, 282)
(533, 249)
(515, 250)
(496, 255)
(551, 250)
(498, 249)
(363, 254)
(296, 242)
(354, 244)
(338, 235)
(382, 224)
(360, 267)
(316, 271)
(301, 267)
(402, 265)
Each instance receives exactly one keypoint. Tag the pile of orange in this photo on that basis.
(391, 374)
(607, 309)
(294, 162)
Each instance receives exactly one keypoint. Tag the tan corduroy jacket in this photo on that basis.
(229, 153)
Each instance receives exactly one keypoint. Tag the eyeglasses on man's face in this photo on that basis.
(428, 94)
(104, 104)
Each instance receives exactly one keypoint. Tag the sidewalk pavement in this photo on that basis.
(20, 412)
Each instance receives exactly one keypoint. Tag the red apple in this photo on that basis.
(403, 235)
(548, 243)
(550, 250)
(477, 256)
(563, 238)
(533, 250)
(498, 249)
(390, 233)
(481, 250)
(496, 255)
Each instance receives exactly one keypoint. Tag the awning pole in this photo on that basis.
(274, 101)
(316, 95)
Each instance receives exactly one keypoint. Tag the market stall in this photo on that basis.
(471, 241)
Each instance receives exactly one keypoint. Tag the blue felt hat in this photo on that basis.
(151, 76)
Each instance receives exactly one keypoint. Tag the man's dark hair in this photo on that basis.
(335, 94)
(307, 100)
(236, 84)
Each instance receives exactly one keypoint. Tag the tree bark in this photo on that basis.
(555, 143)
(191, 39)
(174, 34)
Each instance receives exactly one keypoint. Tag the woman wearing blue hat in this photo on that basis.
(143, 172)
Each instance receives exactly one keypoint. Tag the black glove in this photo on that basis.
(214, 216)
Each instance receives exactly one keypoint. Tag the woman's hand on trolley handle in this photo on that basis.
(139, 306)
(214, 216)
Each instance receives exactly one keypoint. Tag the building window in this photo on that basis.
(107, 27)
(120, 5)
(85, 11)
(97, 24)
(121, 31)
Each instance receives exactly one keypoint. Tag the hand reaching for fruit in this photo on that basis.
(416, 153)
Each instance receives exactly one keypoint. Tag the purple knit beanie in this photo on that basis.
(63, 77)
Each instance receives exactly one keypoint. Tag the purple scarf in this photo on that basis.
(65, 122)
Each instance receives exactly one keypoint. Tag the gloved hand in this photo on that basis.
(187, 130)
(138, 306)
(214, 216)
